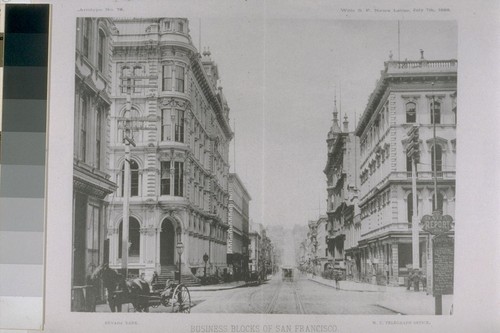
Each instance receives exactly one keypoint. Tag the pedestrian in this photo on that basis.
(336, 276)
(410, 280)
(154, 281)
(416, 280)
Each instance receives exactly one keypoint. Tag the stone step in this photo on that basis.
(168, 273)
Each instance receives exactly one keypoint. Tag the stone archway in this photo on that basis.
(167, 243)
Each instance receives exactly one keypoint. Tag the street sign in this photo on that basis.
(437, 223)
(442, 263)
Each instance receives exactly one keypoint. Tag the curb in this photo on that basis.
(216, 289)
(390, 309)
(340, 288)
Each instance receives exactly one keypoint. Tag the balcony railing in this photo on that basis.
(421, 66)
(423, 175)
(386, 228)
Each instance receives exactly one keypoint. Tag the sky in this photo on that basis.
(280, 76)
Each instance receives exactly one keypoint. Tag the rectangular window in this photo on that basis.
(178, 179)
(86, 37)
(83, 128)
(181, 27)
(167, 78)
(93, 235)
(165, 178)
(179, 126)
(137, 82)
(98, 139)
(179, 78)
(166, 125)
(435, 112)
(100, 51)
(166, 25)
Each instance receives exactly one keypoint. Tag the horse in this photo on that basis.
(122, 291)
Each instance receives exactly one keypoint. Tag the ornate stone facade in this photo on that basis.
(91, 178)
(341, 171)
(405, 96)
(180, 162)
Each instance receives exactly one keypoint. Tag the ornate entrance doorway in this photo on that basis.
(167, 243)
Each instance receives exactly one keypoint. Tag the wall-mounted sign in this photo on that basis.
(437, 223)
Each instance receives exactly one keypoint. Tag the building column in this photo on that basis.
(394, 279)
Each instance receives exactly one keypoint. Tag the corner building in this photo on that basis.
(404, 96)
(179, 166)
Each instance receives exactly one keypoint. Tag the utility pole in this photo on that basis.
(128, 139)
(413, 151)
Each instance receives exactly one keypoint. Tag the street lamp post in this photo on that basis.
(180, 249)
(205, 259)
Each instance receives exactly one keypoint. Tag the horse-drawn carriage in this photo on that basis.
(138, 293)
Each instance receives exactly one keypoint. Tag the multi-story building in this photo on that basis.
(342, 202)
(255, 246)
(322, 244)
(238, 240)
(179, 162)
(298, 232)
(267, 254)
(92, 180)
(316, 247)
(406, 95)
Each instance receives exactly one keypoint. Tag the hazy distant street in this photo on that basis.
(299, 297)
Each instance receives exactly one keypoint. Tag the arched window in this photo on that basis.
(101, 50)
(439, 202)
(439, 158)
(134, 178)
(134, 238)
(435, 112)
(411, 112)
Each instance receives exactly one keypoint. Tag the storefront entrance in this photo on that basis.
(167, 243)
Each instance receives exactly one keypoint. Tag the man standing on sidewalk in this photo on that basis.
(336, 276)
(410, 279)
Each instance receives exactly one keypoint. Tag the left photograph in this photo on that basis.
(151, 167)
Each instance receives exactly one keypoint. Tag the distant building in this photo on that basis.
(255, 247)
(342, 175)
(322, 245)
(405, 95)
(238, 240)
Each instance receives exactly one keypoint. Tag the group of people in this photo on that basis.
(415, 277)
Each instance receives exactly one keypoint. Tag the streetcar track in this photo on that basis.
(298, 300)
(274, 299)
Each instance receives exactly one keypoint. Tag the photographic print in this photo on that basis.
(267, 166)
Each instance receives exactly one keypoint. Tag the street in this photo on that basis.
(299, 297)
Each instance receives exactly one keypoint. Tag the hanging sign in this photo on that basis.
(437, 223)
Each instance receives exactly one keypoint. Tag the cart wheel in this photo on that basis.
(181, 299)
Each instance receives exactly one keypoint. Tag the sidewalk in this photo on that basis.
(220, 286)
(397, 299)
